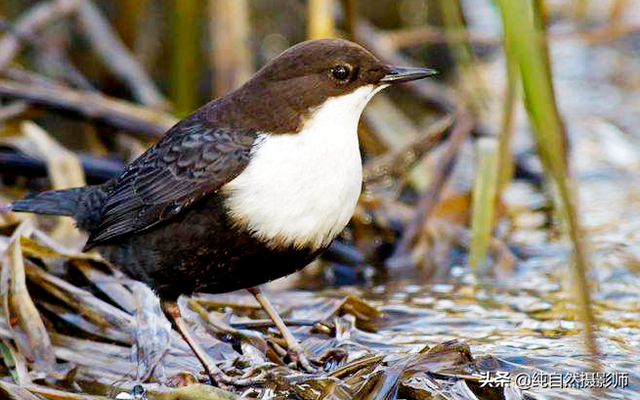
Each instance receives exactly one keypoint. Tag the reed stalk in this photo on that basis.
(184, 55)
(231, 56)
(484, 201)
(320, 20)
(529, 51)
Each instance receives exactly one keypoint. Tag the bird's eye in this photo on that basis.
(341, 72)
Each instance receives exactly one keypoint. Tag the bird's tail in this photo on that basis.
(53, 202)
(84, 204)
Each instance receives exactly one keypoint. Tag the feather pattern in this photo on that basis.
(192, 160)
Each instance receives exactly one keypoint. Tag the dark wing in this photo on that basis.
(192, 160)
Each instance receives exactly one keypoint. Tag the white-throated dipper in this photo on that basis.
(248, 188)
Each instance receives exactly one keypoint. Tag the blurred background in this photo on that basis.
(501, 202)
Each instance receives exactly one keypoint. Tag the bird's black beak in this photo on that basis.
(406, 74)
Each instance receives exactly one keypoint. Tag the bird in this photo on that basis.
(250, 187)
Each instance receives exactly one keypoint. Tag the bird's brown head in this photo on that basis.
(324, 68)
(290, 87)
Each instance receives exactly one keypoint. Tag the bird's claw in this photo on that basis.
(300, 360)
(224, 381)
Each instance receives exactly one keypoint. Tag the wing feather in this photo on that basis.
(192, 160)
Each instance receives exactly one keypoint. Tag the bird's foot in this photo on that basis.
(214, 372)
(225, 381)
(296, 351)
(298, 359)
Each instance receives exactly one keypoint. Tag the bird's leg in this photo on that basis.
(172, 310)
(296, 351)
(218, 376)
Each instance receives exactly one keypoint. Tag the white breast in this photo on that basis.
(302, 189)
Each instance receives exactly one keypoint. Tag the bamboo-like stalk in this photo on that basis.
(484, 201)
(185, 55)
(231, 56)
(580, 8)
(350, 18)
(144, 122)
(116, 56)
(320, 21)
(617, 8)
(128, 18)
(529, 52)
(30, 22)
(505, 158)
(429, 198)
(472, 82)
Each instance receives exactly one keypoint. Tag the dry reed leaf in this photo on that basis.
(33, 249)
(365, 314)
(152, 332)
(192, 392)
(9, 391)
(77, 320)
(9, 218)
(115, 360)
(108, 284)
(27, 328)
(46, 240)
(14, 361)
(64, 169)
(55, 394)
(83, 302)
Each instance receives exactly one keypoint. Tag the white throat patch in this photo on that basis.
(302, 189)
